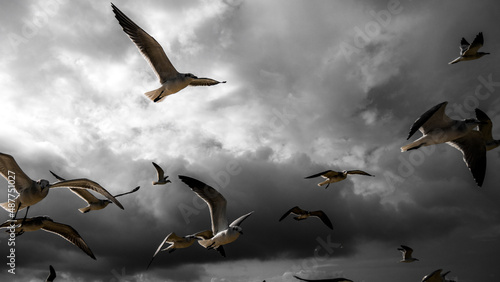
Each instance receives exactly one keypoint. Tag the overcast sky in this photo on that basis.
(311, 86)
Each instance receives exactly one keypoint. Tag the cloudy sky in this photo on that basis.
(311, 85)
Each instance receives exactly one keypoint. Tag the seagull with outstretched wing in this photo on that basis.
(171, 80)
(332, 176)
(470, 51)
(437, 128)
(223, 232)
(47, 224)
(303, 214)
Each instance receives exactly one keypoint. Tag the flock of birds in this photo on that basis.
(434, 124)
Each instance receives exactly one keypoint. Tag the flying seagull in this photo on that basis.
(93, 202)
(436, 276)
(162, 179)
(171, 80)
(174, 242)
(223, 233)
(469, 51)
(407, 251)
(485, 129)
(335, 176)
(325, 280)
(438, 128)
(31, 192)
(303, 214)
(47, 224)
(52, 274)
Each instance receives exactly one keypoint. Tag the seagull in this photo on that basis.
(436, 276)
(469, 51)
(336, 176)
(438, 128)
(303, 214)
(162, 179)
(47, 224)
(93, 202)
(222, 233)
(325, 280)
(175, 242)
(407, 251)
(52, 274)
(171, 80)
(485, 130)
(31, 192)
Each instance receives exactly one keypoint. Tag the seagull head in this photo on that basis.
(238, 229)
(472, 122)
(190, 75)
(43, 183)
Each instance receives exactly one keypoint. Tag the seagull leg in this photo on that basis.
(17, 209)
(327, 185)
(25, 215)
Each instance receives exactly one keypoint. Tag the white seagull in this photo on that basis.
(93, 202)
(470, 51)
(485, 130)
(223, 233)
(47, 224)
(406, 252)
(162, 179)
(438, 128)
(171, 80)
(52, 274)
(303, 214)
(336, 176)
(32, 192)
(174, 242)
(325, 280)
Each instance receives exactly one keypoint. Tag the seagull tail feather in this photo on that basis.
(156, 95)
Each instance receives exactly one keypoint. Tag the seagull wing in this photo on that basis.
(358, 172)
(475, 45)
(130, 192)
(149, 47)
(85, 195)
(215, 201)
(52, 274)
(485, 128)
(11, 171)
(159, 172)
(240, 219)
(473, 148)
(464, 45)
(296, 210)
(323, 218)
(324, 174)
(203, 81)
(83, 183)
(435, 276)
(433, 118)
(407, 251)
(57, 176)
(68, 233)
(170, 238)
